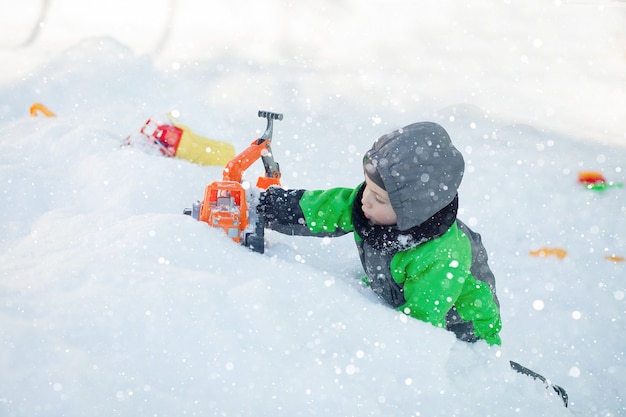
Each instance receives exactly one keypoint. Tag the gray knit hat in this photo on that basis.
(420, 169)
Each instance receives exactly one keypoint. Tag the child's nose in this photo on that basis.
(365, 200)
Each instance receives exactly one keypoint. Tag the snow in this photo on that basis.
(113, 303)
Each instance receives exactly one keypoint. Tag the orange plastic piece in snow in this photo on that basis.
(38, 107)
(591, 177)
(543, 252)
(615, 258)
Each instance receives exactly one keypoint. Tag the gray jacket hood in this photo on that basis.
(420, 169)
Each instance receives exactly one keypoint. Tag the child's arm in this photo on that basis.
(308, 213)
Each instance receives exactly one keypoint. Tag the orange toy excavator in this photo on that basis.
(225, 202)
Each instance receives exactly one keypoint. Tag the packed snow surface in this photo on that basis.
(113, 303)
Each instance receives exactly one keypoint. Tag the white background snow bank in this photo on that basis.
(113, 303)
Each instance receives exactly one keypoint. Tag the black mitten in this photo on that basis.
(280, 206)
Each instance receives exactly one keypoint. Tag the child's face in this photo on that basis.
(376, 205)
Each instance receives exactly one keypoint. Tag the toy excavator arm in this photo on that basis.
(259, 148)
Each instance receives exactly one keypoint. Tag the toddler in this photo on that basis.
(418, 257)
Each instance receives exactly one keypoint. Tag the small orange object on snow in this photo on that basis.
(38, 107)
(543, 252)
(591, 177)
